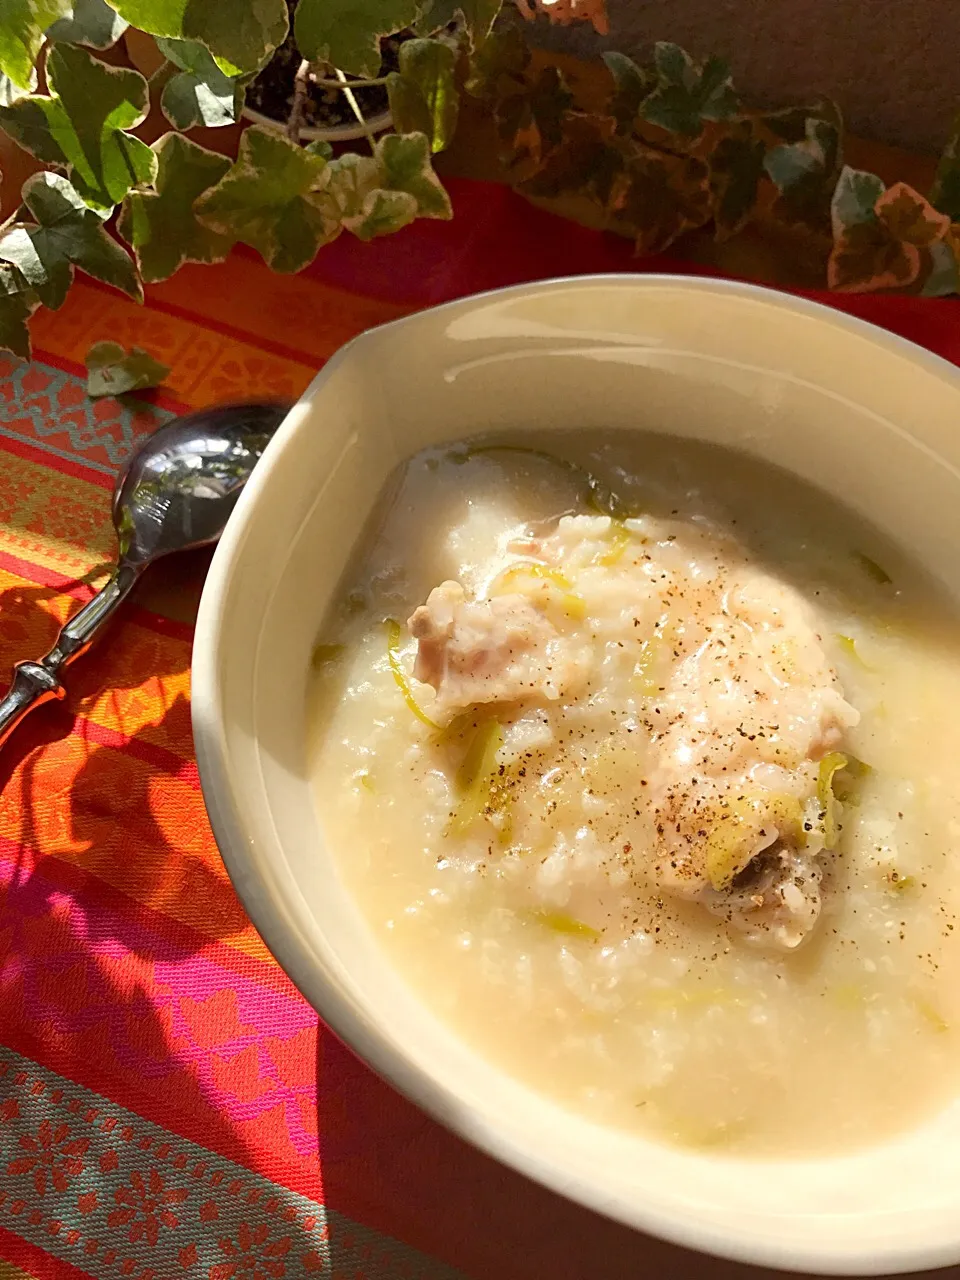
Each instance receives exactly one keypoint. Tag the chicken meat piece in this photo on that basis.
(743, 722)
(481, 651)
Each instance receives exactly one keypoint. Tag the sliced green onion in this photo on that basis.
(643, 679)
(560, 922)
(573, 604)
(899, 883)
(849, 647)
(831, 764)
(619, 541)
(475, 777)
(400, 676)
(927, 1011)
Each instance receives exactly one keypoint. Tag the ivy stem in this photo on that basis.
(300, 84)
(326, 83)
(355, 106)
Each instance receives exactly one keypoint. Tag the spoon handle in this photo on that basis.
(35, 683)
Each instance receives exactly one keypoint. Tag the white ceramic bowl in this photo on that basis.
(867, 416)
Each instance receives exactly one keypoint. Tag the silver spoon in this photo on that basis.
(175, 493)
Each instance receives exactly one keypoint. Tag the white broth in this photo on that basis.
(667, 827)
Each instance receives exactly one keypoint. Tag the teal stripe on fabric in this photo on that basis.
(98, 1187)
(50, 410)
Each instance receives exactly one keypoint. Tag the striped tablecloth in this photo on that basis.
(169, 1105)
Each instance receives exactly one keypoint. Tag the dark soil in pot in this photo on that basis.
(272, 92)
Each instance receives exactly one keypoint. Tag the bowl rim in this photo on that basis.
(430, 1093)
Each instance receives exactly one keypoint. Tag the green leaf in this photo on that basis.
(478, 17)
(81, 125)
(424, 97)
(347, 33)
(686, 95)
(945, 192)
(113, 371)
(161, 225)
(661, 196)
(501, 60)
(67, 234)
(22, 25)
(404, 161)
(241, 36)
(944, 277)
(379, 194)
(17, 304)
(200, 94)
(585, 160)
(805, 170)
(631, 86)
(10, 92)
(274, 198)
(408, 110)
(367, 209)
(736, 167)
(92, 23)
(352, 177)
(532, 121)
(320, 147)
(854, 200)
(382, 213)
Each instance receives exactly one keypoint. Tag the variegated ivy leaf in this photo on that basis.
(240, 36)
(586, 161)
(687, 94)
(854, 199)
(423, 95)
(805, 171)
(498, 65)
(22, 27)
(404, 161)
(17, 304)
(882, 239)
(199, 93)
(274, 197)
(945, 192)
(161, 225)
(631, 85)
(531, 121)
(351, 178)
(367, 210)
(347, 33)
(10, 92)
(114, 371)
(382, 213)
(478, 17)
(92, 23)
(943, 278)
(81, 125)
(736, 169)
(66, 234)
(661, 196)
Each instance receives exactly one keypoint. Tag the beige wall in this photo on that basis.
(893, 65)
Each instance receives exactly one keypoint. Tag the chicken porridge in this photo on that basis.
(639, 759)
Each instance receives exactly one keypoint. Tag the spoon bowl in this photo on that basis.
(175, 493)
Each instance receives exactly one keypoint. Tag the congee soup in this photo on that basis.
(639, 757)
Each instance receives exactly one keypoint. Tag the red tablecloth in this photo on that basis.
(168, 1104)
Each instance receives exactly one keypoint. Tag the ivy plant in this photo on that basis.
(670, 148)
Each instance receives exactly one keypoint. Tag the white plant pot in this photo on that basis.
(147, 58)
(341, 133)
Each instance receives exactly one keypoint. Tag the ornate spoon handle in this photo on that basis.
(35, 683)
